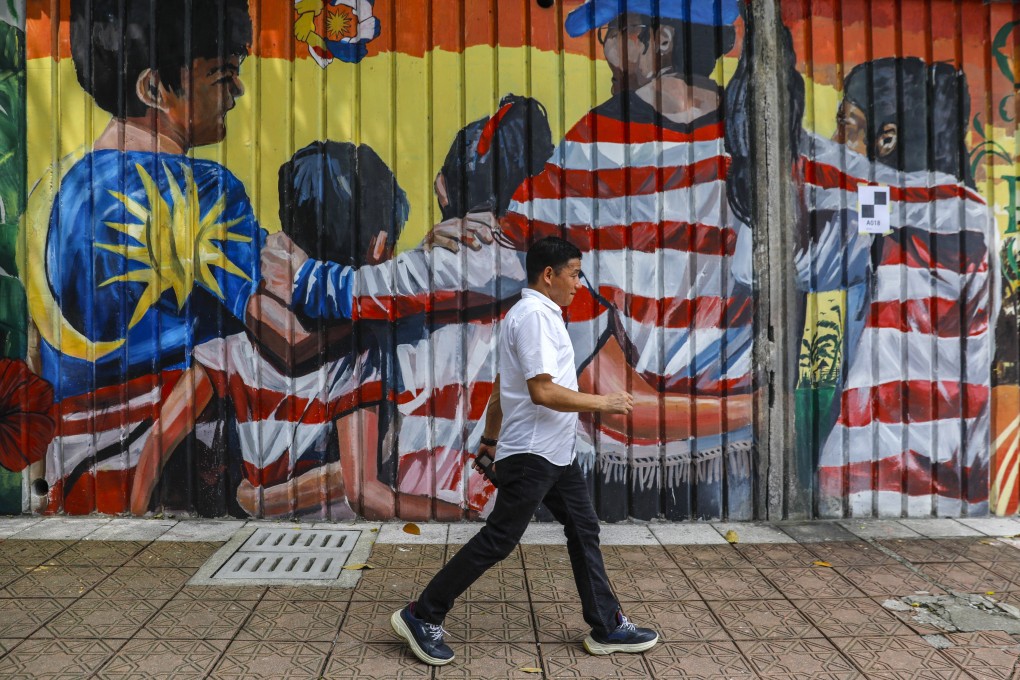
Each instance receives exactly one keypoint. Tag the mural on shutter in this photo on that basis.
(907, 396)
(264, 250)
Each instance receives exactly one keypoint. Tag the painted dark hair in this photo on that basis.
(492, 156)
(551, 251)
(739, 123)
(696, 48)
(335, 197)
(114, 41)
(928, 104)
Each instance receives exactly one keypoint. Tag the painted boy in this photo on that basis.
(145, 251)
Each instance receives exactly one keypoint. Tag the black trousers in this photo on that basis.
(525, 481)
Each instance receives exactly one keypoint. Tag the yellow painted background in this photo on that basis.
(409, 109)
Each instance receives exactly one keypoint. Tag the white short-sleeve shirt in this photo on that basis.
(533, 341)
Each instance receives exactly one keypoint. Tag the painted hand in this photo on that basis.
(313, 7)
(363, 9)
(368, 24)
(304, 26)
(369, 29)
(280, 260)
(474, 230)
(248, 497)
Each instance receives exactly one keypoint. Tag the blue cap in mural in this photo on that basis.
(595, 13)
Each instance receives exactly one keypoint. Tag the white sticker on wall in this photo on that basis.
(873, 209)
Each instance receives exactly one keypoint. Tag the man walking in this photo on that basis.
(533, 410)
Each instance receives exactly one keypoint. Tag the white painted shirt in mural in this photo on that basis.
(413, 282)
(910, 427)
(668, 271)
(445, 374)
(285, 423)
(444, 380)
(535, 342)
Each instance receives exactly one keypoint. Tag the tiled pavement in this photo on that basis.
(98, 598)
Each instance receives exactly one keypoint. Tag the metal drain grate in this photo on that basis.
(274, 555)
(289, 540)
(285, 567)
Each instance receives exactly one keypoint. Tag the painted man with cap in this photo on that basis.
(642, 184)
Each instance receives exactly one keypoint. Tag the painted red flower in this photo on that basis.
(26, 415)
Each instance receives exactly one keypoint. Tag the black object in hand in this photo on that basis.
(485, 462)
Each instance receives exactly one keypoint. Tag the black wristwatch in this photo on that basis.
(488, 442)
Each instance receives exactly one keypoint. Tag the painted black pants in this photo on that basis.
(525, 481)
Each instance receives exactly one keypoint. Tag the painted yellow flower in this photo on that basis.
(176, 245)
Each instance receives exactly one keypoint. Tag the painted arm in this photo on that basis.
(282, 335)
(298, 495)
(680, 417)
(836, 257)
(415, 281)
(177, 416)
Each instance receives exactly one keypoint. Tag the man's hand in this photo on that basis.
(473, 230)
(280, 260)
(483, 450)
(617, 402)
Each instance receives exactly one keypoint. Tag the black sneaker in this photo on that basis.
(425, 639)
(625, 638)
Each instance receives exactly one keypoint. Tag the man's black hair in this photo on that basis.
(114, 41)
(899, 90)
(551, 251)
(335, 197)
(492, 156)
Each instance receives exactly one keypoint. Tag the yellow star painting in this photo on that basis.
(175, 244)
(338, 23)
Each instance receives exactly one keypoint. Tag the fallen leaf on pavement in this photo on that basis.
(820, 563)
(412, 528)
(731, 536)
(359, 566)
(527, 669)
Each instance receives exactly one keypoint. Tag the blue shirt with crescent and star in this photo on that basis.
(158, 251)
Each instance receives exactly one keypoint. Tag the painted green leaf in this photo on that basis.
(13, 317)
(12, 143)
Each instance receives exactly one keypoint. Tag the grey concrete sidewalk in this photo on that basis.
(95, 597)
